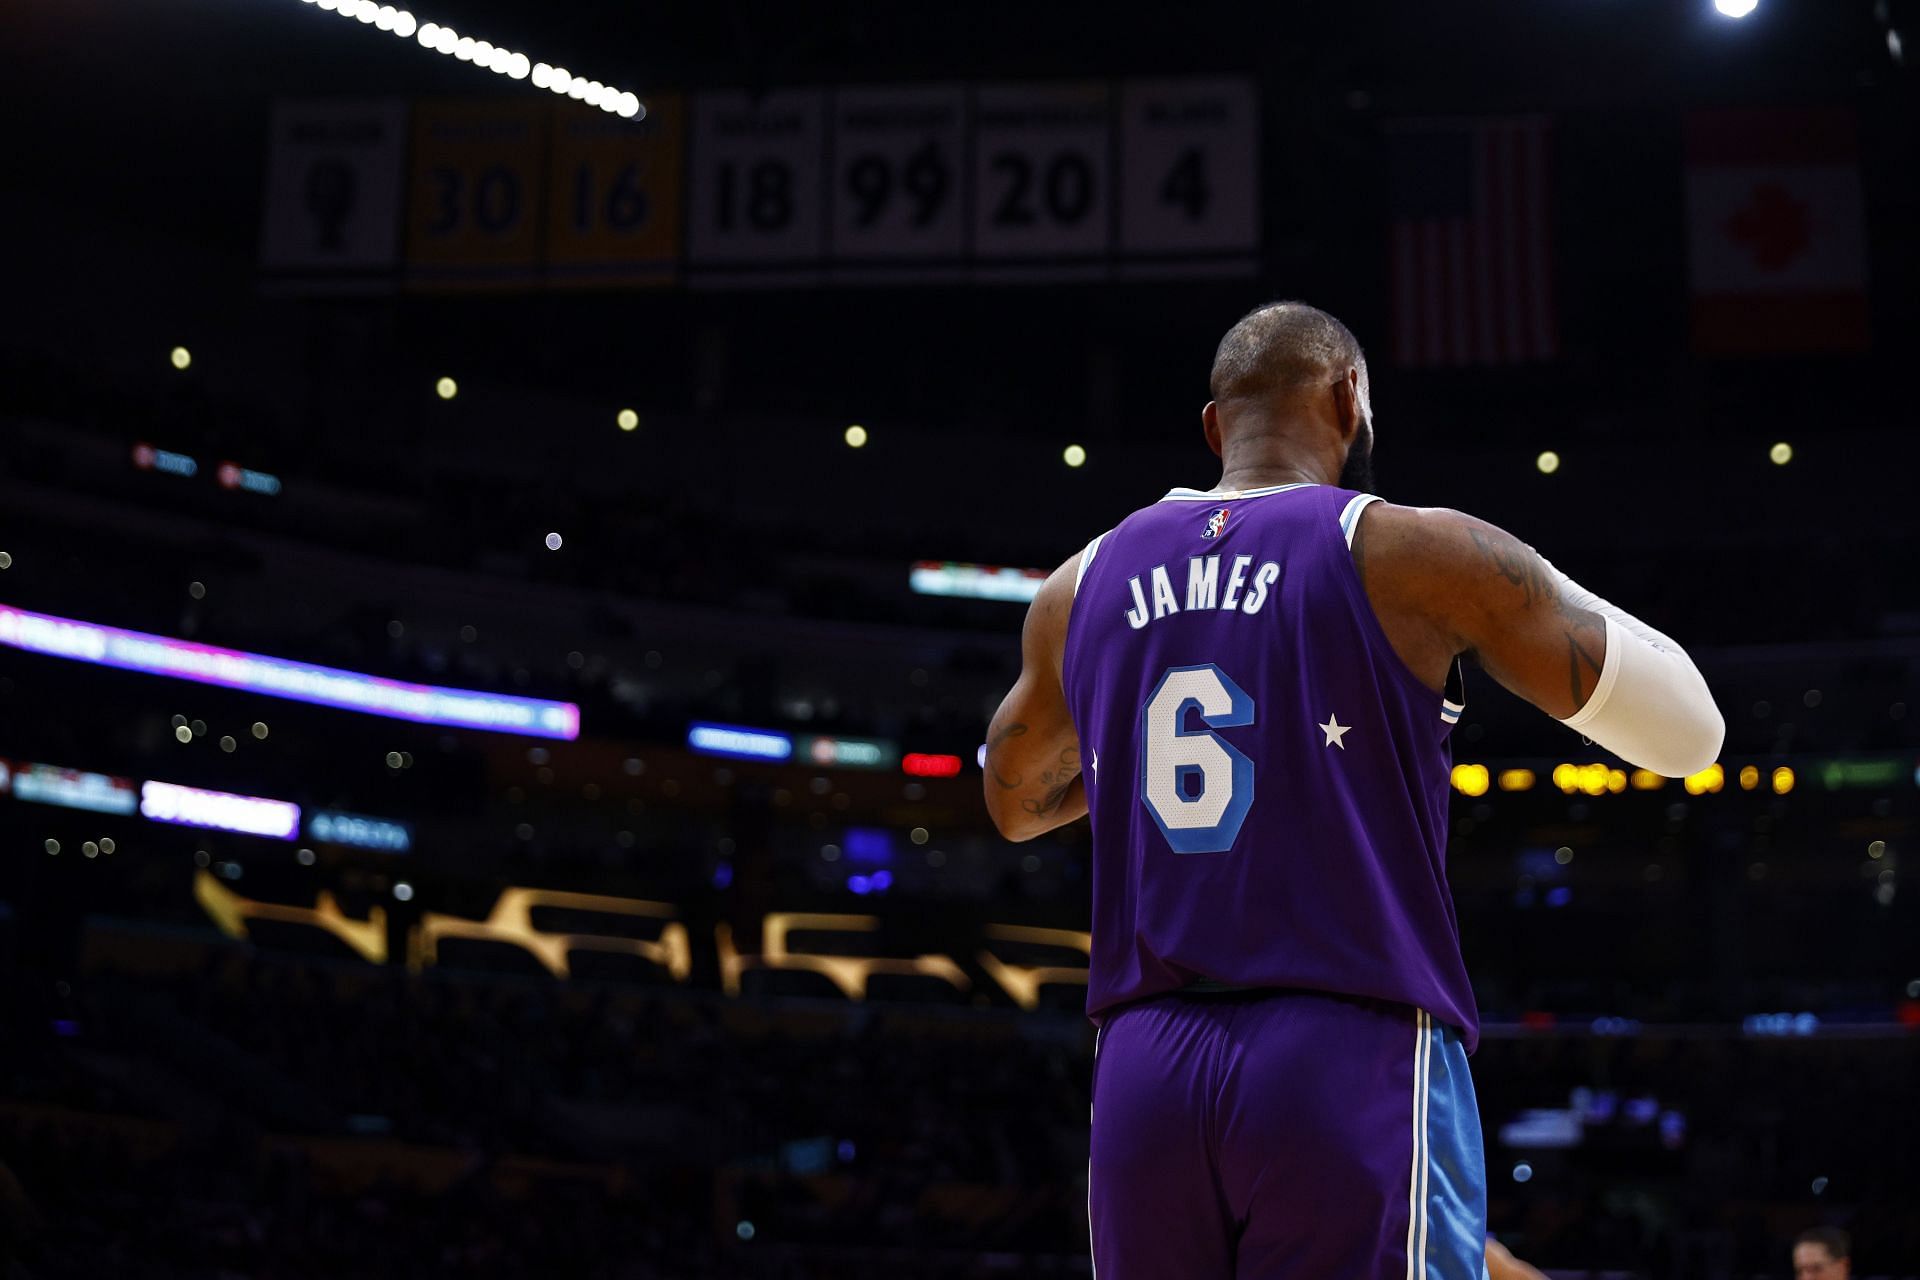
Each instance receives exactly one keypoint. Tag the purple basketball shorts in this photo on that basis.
(1284, 1136)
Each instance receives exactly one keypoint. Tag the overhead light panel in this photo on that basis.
(495, 58)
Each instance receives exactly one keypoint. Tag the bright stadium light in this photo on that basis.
(180, 357)
(1074, 455)
(446, 388)
(1735, 8)
(1548, 462)
(498, 59)
(1781, 454)
(856, 436)
(627, 419)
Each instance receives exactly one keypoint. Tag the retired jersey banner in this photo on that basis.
(613, 199)
(1190, 175)
(473, 209)
(1043, 177)
(332, 208)
(754, 206)
(1776, 241)
(1087, 180)
(898, 190)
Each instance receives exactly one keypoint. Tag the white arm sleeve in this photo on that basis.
(1652, 707)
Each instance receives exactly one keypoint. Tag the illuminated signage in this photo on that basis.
(1780, 1024)
(922, 765)
(283, 678)
(739, 742)
(849, 753)
(1542, 1129)
(1869, 773)
(234, 476)
(362, 832)
(193, 807)
(148, 458)
(1010, 954)
(975, 581)
(73, 788)
(868, 846)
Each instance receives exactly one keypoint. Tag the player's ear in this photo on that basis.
(1210, 427)
(1347, 413)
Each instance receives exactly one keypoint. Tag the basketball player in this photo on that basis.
(1249, 688)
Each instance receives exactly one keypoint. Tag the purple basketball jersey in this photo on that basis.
(1267, 780)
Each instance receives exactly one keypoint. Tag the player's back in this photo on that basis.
(1267, 780)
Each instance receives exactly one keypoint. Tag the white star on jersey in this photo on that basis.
(1336, 732)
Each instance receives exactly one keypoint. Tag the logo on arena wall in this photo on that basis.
(1215, 523)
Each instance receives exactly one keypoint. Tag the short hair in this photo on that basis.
(1280, 346)
(1836, 1242)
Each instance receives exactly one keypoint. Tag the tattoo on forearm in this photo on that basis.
(1517, 565)
(1585, 634)
(1057, 781)
(1000, 736)
(1580, 661)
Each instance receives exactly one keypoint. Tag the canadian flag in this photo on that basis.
(1777, 249)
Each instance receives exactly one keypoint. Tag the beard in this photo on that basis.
(1356, 472)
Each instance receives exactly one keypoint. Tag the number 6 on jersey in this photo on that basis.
(1173, 759)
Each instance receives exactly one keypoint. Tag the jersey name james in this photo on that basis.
(1205, 589)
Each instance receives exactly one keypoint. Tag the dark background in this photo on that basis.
(177, 1102)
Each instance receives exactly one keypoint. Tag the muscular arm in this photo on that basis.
(1465, 586)
(1445, 583)
(1033, 751)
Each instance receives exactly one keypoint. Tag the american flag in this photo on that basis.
(1471, 242)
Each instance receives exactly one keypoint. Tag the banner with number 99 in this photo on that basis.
(897, 179)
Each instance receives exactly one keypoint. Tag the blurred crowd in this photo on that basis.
(229, 1112)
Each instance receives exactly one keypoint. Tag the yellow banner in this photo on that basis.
(613, 196)
(474, 194)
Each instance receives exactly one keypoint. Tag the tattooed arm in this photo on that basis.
(1445, 584)
(1033, 752)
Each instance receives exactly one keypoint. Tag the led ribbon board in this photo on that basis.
(852, 753)
(355, 829)
(70, 788)
(193, 807)
(283, 678)
(738, 741)
(975, 581)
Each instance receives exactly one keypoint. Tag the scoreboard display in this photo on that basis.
(994, 182)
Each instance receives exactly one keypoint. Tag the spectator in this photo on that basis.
(1822, 1253)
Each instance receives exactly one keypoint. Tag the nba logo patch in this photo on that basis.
(1215, 523)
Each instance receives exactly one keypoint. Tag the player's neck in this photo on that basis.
(1263, 449)
(1265, 474)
